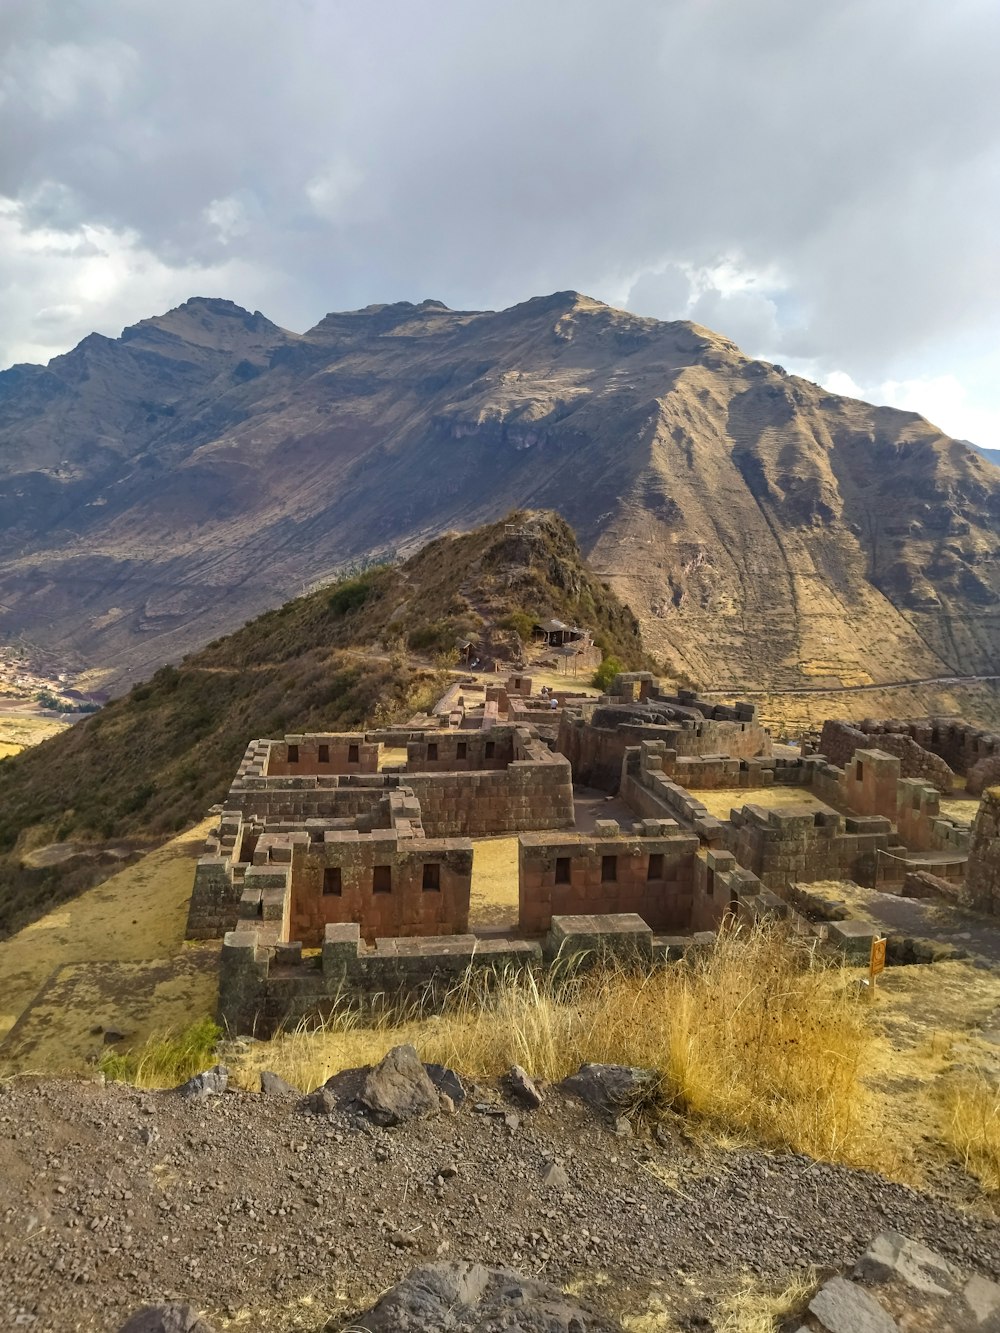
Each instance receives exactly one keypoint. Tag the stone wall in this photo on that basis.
(981, 890)
(798, 843)
(960, 744)
(388, 884)
(650, 874)
(461, 752)
(595, 740)
(344, 752)
(262, 986)
(839, 740)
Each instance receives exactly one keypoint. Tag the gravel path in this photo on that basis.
(111, 1197)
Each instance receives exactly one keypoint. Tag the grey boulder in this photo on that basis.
(609, 1089)
(892, 1255)
(399, 1089)
(210, 1083)
(469, 1298)
(842, 1307)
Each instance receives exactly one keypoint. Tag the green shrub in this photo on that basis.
(606, 672)
(350, 595)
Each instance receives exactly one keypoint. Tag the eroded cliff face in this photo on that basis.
(160, 488)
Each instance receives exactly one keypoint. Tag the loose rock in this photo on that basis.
(522, 1086)
(210, 1083)
(399, 1089)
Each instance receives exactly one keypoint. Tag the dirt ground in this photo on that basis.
(267, 1217)
(104, 958)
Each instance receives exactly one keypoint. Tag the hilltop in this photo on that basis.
(163, 486)
(371, 648)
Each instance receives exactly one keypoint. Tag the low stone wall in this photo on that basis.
(263, 988)
(839, 740)
(784, 846)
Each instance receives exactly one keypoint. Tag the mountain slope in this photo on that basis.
(153, 761)
(764, 530)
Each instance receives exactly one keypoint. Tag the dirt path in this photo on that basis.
(267, 1217)
(851, 689)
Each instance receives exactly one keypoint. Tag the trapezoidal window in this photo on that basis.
(293, 754)
(382, 879)
(609, 869)
(432, 877)
(353, 754)
(462, 750)
(324, 754)
(333, 881)
(432, 750)
(491, 749)
(859, 769)
(563, 865)
(655, 870)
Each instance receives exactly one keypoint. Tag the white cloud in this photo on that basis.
(56, 286)
(818, 182)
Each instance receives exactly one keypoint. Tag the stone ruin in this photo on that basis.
(342, 864)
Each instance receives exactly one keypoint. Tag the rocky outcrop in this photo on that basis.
(470, 1298)
(899, 1284)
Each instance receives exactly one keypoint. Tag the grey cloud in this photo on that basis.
(369, 150)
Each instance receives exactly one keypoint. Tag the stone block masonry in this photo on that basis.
(391, 885)
(650, 874)
(982, 882)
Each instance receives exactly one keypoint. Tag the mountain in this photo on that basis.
(154, 760)
(992, 454)
(166, 485)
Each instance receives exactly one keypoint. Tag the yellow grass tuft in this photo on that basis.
(972, 1127)
(755, 1309)
(755, 1039)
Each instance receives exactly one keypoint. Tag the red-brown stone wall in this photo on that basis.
(406, 909)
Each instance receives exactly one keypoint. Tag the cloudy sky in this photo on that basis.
(818, 181)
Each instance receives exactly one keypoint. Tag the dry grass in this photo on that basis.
(755, 1039)
(20, 732)
(755, 1309)
(960, 807)
(166, 1060)
(971, 1126)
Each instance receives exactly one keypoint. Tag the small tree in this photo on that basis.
(606, 672)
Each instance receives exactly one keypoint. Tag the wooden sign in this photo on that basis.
(877, 961)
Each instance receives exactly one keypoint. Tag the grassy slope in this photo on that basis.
(152, 762)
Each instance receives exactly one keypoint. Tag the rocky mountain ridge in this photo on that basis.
(162, 487)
